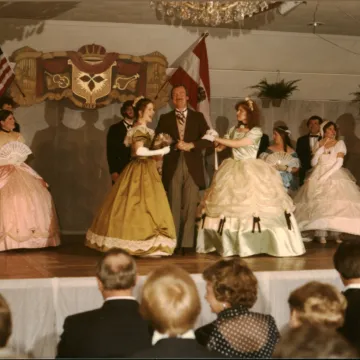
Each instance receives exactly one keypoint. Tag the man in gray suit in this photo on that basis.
(183, 168)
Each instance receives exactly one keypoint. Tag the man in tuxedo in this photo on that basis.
(115, 330)
(6, 103)
(306, 143)
(119, 155)
(347, 263)
(183, 168)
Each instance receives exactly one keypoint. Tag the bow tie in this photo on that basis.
(316, 136)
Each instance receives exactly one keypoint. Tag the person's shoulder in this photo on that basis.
(81, 317)
(167, 114)
(117, 125)
(304, 137)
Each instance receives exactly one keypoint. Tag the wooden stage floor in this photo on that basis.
(73, 259)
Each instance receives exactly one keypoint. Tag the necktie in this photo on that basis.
(180, 116)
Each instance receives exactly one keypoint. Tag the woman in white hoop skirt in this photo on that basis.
(27, 213)
(246, 210)
(329, 200)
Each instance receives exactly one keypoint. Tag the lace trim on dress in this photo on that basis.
(157, 245)
(132, 131)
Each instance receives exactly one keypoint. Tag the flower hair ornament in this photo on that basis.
(250, 103)
(287, 131)
(137, 100)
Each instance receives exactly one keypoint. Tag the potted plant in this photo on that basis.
(275, 92)
(356, 98)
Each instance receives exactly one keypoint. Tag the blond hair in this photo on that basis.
(170, 300)
(5, 322)
(318, 304)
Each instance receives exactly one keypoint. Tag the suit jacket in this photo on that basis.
(264, 144)
(351, 328)
(118, 155)
(176, 348)
(195, 129)
(114, 330)
(304, 152)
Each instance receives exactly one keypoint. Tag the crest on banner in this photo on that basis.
(90, 77)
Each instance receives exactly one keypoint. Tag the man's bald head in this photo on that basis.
(117, 270)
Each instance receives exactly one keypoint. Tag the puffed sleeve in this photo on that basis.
(255, 135)
(230, 133)
(340, 147)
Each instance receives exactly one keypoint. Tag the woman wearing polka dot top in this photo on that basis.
(237, 331)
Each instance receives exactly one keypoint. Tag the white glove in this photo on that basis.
(143, 151)
(209, 137)
(316, 157)
(165, 150)
(212, 132)
(337, 165)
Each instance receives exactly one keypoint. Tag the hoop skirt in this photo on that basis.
(135, 215)
(330, 205)
(27, 213)
(246, 210)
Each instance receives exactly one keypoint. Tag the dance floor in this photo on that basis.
(73, 259)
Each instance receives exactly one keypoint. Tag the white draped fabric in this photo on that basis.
(39, 306)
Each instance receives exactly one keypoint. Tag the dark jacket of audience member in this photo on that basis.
(347, 263)
(116, 330)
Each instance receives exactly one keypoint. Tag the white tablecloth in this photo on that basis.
(39, 306)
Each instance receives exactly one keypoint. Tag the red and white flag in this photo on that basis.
(193, 72)
(6, 73)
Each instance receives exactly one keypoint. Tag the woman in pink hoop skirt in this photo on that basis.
(27, 214)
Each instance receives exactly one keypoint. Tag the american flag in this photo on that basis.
(6, 73)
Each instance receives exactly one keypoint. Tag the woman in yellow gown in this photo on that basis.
(136, 215)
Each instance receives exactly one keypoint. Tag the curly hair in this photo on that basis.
(252, 112)
(319, 304)
(232, 282)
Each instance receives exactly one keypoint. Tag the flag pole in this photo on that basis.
(203, 36)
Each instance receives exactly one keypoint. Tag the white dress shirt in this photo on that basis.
(158, 336)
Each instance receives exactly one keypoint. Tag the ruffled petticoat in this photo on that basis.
(246, 211)
(332, 205)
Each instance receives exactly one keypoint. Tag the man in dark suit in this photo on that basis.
(183, 168)
(264, 144)
(347, 263)
(6, 103)
(305, 145)
(119, 155)
(116, 329)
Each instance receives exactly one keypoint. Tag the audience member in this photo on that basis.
(317, 304)
(116, 329)
(347, 263)
(5, 332)
(237, 332)
(171, 302)
(311, 342)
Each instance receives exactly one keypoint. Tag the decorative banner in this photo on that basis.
(90, 78)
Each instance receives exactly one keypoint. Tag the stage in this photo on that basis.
(73, 259)
(44, 286)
